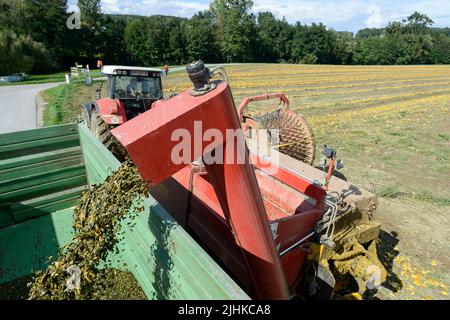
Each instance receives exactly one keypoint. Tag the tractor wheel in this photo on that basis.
(85, 118)
(102, 131)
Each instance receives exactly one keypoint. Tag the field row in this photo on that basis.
(433, 104)
(333, 82)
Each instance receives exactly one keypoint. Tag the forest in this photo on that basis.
(35, 38)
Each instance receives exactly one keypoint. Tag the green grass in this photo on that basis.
(64, 102)
(54, 98)
(427, 196)
(445, 137)
(390, 192)
(46, 78)
(394, 192)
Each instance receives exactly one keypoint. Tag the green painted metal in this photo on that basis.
(166, 261)
(98, 160)
(38, 134)
(38, 158)
(26, 246)
(35, 167)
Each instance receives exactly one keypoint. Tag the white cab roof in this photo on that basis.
(112, 70)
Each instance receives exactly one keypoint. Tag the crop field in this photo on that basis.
(391, 127)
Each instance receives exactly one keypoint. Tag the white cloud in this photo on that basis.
(438, 10)
(340, 14)
(73, 8)
(110, 5)
(353, 14)
(313, 11)
(152, 7)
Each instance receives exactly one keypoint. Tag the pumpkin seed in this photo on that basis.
(97, 227)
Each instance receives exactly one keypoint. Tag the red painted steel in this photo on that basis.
(292, 214)
(112, 111)
(149, 141)
(281, 96)
(330, 173)
(291, 179)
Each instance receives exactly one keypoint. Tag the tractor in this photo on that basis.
(130, 91)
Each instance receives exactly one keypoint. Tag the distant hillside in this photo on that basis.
(128, 17)
(445, 31)
(372, 32)
(369, 32)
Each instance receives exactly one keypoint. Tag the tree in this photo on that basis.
(200, 38)
(418, 23)
(154, 40)
(135, 40)
(113, 42)
(315, 40)
(176, 50)
(344, 47)
(441, 49)
(419, 48)
(415, 24)
(45, 23)
(235, 29)
(239, 37)
(92, 31)
(309, 58)
(19, 53)
(90, 11)
(406, 42)
(274, 36)
(283, 42)
(12, 15)
(369, 32)
(369, 51)
(219, 8)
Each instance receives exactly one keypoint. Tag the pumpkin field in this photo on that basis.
(391, 127)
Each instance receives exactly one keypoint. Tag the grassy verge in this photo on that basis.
(46, 78)
(64, 102)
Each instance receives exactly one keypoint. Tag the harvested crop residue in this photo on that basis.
(116, 284)
(97, 223)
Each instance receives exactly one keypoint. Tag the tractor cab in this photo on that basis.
(137, 88)
(130, 91)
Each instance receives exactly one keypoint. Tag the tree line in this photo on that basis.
(34, 37)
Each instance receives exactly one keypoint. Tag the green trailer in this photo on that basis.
(42, 174)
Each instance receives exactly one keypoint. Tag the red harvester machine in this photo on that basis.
(279, 232)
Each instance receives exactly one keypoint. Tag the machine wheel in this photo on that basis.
(295, 138)
(86, 118)
(102, 131)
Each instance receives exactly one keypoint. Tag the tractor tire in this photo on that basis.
(85, 117)
(102, 131)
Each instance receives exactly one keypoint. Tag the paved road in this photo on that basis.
(18, 106)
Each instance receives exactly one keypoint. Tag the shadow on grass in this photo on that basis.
(336, 173)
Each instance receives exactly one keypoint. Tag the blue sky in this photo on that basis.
(350, 15)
